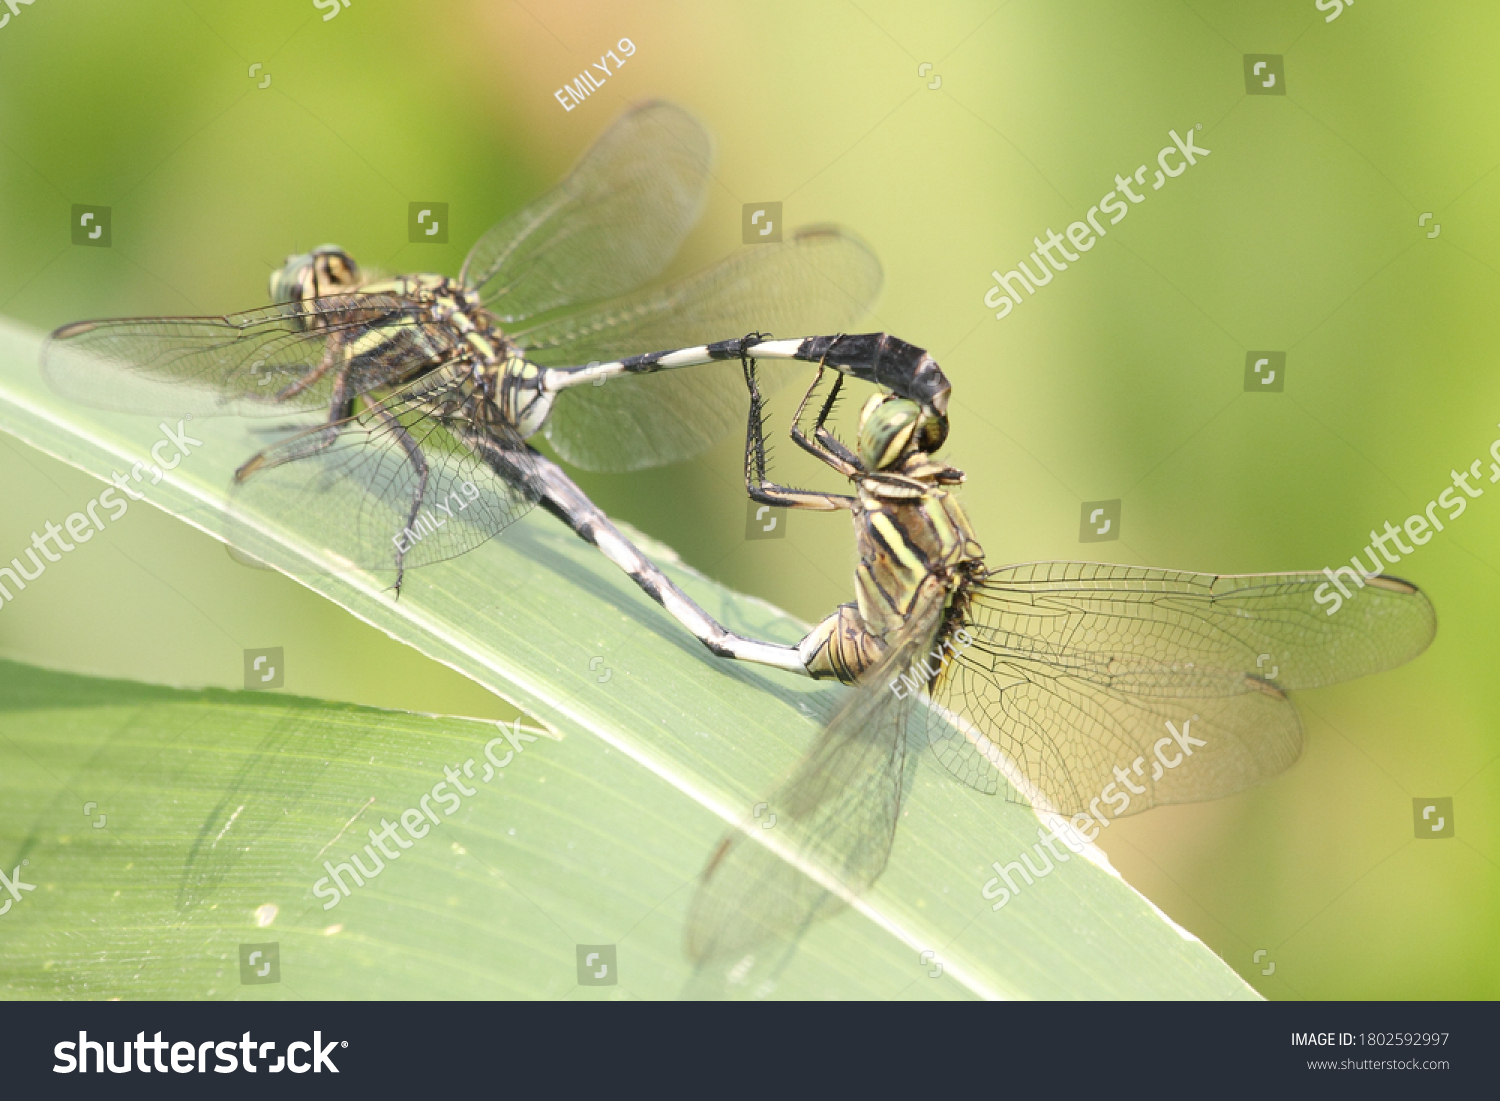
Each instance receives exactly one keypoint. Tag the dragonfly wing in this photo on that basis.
(821, 280)
(611, 225)
(237, 364)
(1054, 740)
(1270, 625)
(1075, 670)
(836, 814)
(412, 480)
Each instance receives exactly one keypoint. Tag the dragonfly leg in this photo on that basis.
(311, 441)
(340, 406)
(330, 353)
(419, 464)
(546, 482)
(767, 492)
(827, 447)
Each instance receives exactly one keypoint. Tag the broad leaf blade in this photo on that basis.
(682, 742)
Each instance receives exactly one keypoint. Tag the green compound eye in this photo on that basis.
(932, 433)
(325, 269)
(885, 431)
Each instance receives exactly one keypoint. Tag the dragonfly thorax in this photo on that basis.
(453, 324)
(908, 529)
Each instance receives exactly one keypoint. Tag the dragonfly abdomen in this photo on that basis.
(521, 397)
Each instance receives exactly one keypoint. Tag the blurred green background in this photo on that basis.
(1123, 379)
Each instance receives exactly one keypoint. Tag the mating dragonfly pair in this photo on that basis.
(1044, 680)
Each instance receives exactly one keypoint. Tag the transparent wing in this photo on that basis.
(1076, 668)
(837, 811)
(237, 364)
(425, 475)
(611, 225)
(821, 280)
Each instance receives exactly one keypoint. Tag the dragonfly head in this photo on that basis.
(327, 269)
(892, 428)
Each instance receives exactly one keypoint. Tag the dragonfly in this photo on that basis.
(1060, 683)
(429, 386)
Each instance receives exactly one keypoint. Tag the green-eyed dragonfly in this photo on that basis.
(1084, 689)
(430, 386)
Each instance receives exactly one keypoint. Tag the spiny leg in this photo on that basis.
(830, 442)
(419, 463)
(756, 484)
(824, 650)
(827, 448)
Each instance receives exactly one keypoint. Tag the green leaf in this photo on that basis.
(596, 838)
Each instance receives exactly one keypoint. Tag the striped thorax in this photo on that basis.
(454, 332)
(910, 532)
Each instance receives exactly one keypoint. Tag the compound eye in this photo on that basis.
(336, 270)
(287, 284)
(886, 433)
(327, 269)
(934, 433)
